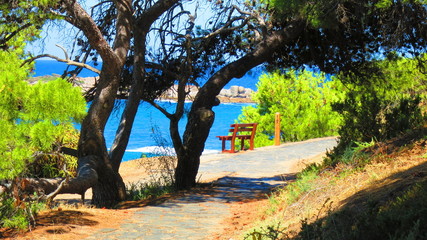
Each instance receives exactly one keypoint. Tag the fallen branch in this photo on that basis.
(86, 178)
(53, 194)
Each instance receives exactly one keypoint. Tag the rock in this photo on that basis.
(234, 91)
(234, 94)
(241, 90)
(249, 92)
(225, 93)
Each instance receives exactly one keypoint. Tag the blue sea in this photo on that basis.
(150, 134)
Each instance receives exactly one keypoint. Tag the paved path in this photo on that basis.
(198, 215)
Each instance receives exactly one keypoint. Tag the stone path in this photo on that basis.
(198, 215)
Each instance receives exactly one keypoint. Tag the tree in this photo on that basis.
(343, 34)
(304, 101)
(98, 168)
(340, 36)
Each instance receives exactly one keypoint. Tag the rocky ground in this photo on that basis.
(235, 94)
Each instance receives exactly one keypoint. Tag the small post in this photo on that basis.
(277, 129)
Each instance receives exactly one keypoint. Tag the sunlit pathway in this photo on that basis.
(198, 215)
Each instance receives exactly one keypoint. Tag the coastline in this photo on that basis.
(235, 94)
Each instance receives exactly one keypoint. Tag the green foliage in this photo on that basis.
(387, 3)
(327, 14)
(147, 190)
(53, 164)
(382, 102)
(314, 11)
(270, 232)
(304, 101)
(21, 21)
(303, 183)
(17, 216)
(32, 117)
(353, 154)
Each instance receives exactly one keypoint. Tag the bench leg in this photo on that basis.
(223, 145)
(232, 146)
(251, 144)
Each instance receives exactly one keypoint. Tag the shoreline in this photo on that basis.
(234, 94)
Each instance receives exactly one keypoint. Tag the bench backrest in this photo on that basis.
(238, 128)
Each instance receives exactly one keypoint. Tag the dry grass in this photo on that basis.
(396, 167)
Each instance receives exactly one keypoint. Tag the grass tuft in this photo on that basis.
(146, 190)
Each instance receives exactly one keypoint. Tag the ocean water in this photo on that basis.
(49, 67)
(150, 133)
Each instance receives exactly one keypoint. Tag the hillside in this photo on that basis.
(384, 199)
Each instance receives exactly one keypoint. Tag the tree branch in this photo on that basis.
(226, 28)
(86, 178)
(53, 194)
(66, 60)
(12, 34)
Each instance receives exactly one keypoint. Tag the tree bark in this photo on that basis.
(87, 177)
(102, 172)
(201, 115)
(140, 30)
(109, 187)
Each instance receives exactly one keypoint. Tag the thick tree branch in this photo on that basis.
(263, 52)
(79, 18)
(86, 177)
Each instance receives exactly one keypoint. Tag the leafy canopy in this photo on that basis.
(21, 21)
(304, 101)
(383, 102)
(32, 117)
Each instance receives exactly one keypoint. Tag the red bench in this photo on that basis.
(248, 130)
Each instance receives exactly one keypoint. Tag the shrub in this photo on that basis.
(304, 101)
(17, 215)
(34, 119)
(383, 99)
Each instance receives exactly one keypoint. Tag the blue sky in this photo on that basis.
(57, 32)
(62, 33)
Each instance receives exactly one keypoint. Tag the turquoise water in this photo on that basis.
(151, 127)
(49, 67)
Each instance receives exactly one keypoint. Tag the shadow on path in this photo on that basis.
(198, 214)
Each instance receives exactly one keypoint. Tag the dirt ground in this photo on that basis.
(72, 220)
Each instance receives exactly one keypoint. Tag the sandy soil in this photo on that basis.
(73, 220)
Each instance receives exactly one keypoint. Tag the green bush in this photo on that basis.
(383, 100)
(34, 121)
(17, 216)
(33, 118)
(146, 190)
(304, 101)
(55, 164)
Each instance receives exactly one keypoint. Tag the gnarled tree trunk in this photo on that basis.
(201, 116)
(141, 28)
(97, 168)
(109, 187)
